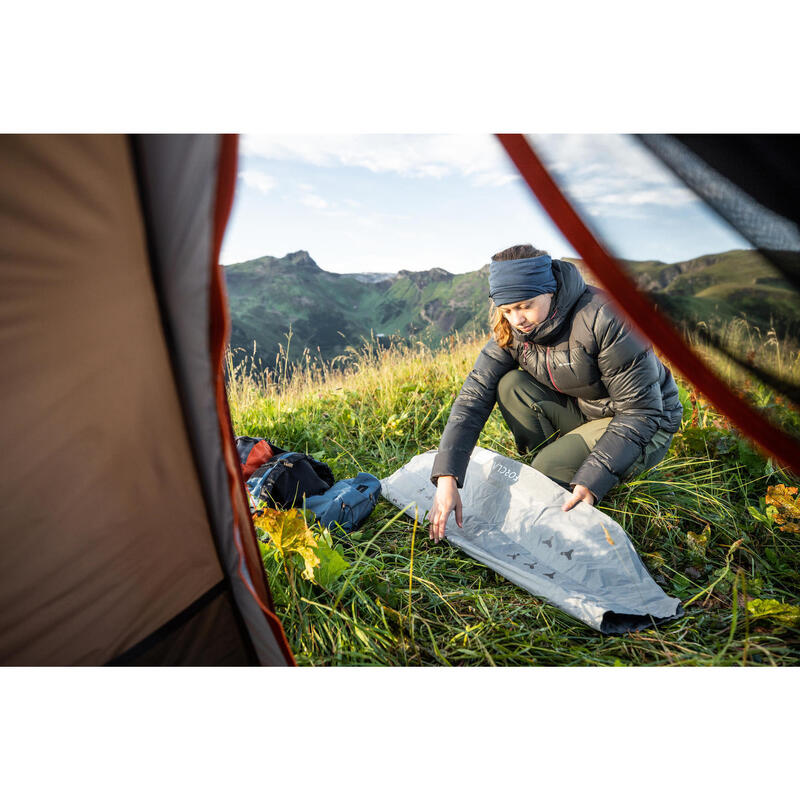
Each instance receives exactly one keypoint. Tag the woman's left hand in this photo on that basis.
(578, 493)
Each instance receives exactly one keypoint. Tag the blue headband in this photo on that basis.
(521, 279)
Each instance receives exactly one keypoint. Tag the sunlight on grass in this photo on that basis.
(700, 520)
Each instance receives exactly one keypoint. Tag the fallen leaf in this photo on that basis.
(608, 535)
(783, 507)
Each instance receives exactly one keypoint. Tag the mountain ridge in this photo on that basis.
(328, 312)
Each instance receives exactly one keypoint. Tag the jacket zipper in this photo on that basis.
(547, 364)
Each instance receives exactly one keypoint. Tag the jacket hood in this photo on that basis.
(569, 287)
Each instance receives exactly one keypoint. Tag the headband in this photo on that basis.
(520, 279)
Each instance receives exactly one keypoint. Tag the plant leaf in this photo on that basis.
(698, 541)
(331, 563)
(289, 533)
(757, 515)
(782, 612)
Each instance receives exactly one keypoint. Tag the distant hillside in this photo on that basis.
(720, 286)
(328, 312)
(723, 286)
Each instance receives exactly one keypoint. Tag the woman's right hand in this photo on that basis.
(446, 500)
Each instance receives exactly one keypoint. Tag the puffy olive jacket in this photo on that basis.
(584, 349)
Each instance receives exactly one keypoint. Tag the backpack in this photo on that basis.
(348, 502)
(282, 479)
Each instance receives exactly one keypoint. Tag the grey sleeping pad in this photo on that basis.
(581, 560)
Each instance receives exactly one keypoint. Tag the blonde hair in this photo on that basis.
(501, 328)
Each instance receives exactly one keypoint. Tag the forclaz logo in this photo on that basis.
(506, 472)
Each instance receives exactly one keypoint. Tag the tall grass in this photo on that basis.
(761, 349)
(406, 601)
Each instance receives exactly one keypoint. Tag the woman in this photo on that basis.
(573, 381)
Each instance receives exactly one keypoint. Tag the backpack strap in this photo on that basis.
(285, 459)
(275, 483)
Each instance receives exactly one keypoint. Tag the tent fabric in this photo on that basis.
(580, 561)
(250, 569)
(178, 178)
(114, 538)
(205, 634)
(637, 307)
(751, 182)
(99, 491)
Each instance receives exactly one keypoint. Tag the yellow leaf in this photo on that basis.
(782, 612)
(698, 541)
(289, 533)
(791, 527)
(608, 535)
(782, 498)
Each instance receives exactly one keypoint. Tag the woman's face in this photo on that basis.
(526, 315)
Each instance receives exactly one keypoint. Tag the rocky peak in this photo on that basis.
(300, 260)
(425, 277)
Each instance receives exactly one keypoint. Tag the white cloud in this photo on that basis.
(479, 157)
(258, 180)
(611, 174)
(314, 201)
(487, 179)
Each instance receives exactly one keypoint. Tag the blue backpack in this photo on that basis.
(348, 502)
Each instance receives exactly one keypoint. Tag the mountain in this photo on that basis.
(721, 287)
(328, 312)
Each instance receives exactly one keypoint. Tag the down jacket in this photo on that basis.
(586, 350)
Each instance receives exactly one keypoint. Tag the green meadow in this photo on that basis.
(716, 523)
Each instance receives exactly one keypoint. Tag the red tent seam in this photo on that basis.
(219, 335)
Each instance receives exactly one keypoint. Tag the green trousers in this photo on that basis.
(551, 425)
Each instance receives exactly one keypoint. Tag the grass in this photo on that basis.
(699, 520)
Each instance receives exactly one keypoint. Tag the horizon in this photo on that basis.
(463, 272)
(384, 203)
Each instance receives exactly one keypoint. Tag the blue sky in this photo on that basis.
(379, 203)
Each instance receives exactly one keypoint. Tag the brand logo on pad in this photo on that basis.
(508, 473)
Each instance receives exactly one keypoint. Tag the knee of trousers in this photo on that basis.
(518, 386)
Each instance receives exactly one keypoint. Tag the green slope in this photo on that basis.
(328, 312)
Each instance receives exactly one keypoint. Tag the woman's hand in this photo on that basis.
(579, 493)
(445, 500)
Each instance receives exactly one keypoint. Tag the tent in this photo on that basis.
(126, 537)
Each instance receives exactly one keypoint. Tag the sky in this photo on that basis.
(381, 202)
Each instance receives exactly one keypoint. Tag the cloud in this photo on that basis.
(258, 180)
(478, 157)
(611, 174)
(605, 174)
(313, 201)
(487, 179)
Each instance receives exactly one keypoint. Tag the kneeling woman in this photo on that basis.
(574, 384)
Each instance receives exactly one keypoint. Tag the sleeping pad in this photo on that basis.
(580, 560)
